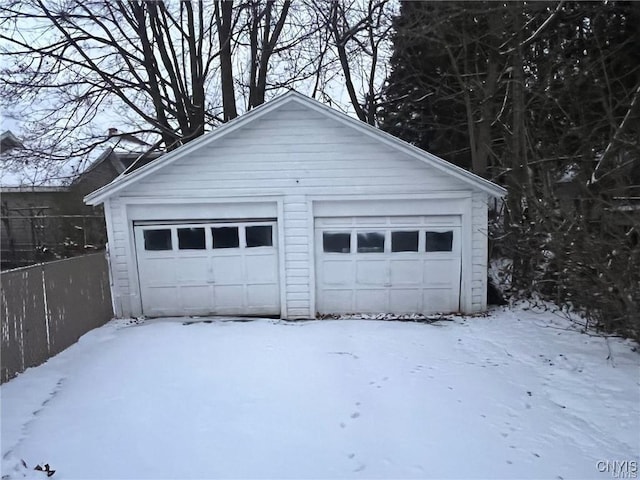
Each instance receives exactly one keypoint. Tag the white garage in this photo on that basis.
(295, 210)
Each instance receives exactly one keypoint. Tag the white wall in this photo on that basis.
(291, 155)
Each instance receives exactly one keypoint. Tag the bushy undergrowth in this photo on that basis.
(587, 258)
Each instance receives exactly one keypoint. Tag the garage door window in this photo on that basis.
(439, 241)
(191, 239)
(370, 242)
(404, 241)
(259, 236)
(157, 239)
(225, 237)
(336, 242)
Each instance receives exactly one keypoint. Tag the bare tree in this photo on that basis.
(265, 27)
(359, 36)
(169, 71)
(224, 15)
(162, 70)
(153, 60)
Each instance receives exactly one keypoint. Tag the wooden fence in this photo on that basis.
(48, 307)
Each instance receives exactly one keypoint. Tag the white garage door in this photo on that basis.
(226, 268)
(388, 264)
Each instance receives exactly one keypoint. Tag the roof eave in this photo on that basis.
(100, 195)
(483, 184)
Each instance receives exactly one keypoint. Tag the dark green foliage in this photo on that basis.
(547, 95)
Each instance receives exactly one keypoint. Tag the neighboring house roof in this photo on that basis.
(111, 163)
(129, 178)
(8, 141)
(36, 189)
(120, 161)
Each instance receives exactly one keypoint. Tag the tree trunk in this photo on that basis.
(224, 13)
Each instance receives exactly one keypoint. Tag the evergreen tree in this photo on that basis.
(545, 98)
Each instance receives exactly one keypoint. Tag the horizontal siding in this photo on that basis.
(479, 252)
(298, 296)
(300, 306)
(294, 151)
(194, 187)
(118, 258)
(296, 256)
(297, 248)
(299, 288)
(299, 264)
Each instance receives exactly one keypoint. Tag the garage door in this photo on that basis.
(388, 264)
(228, 268)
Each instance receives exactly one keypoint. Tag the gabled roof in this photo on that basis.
(9, 141)
(124, 181)
(121, 161)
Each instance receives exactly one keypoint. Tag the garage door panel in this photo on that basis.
(371, 220)
(262, 295)
(405, 300)
(192, 270)
(160, 271)
(208, 268)
(438, 300)
(228, 269)
(406, 272)
(404, 220)
(334, 221)
(226, 296)
(336, 301)
(261, 268)
(336, 272)
(158, 299)
(371, 272)
(441, 273)
(371, 300)
(196, 298)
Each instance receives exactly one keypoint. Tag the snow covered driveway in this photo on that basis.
(513, 395)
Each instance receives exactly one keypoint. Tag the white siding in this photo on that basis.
(479, 252)
(292, 154)
(118, 238)
(294, 151)
(297, 256)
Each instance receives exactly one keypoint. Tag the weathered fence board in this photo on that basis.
(47, 307)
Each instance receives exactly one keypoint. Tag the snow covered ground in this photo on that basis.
(513, 395)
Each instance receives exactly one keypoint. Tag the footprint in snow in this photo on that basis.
(360, 468)
(355, 414)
